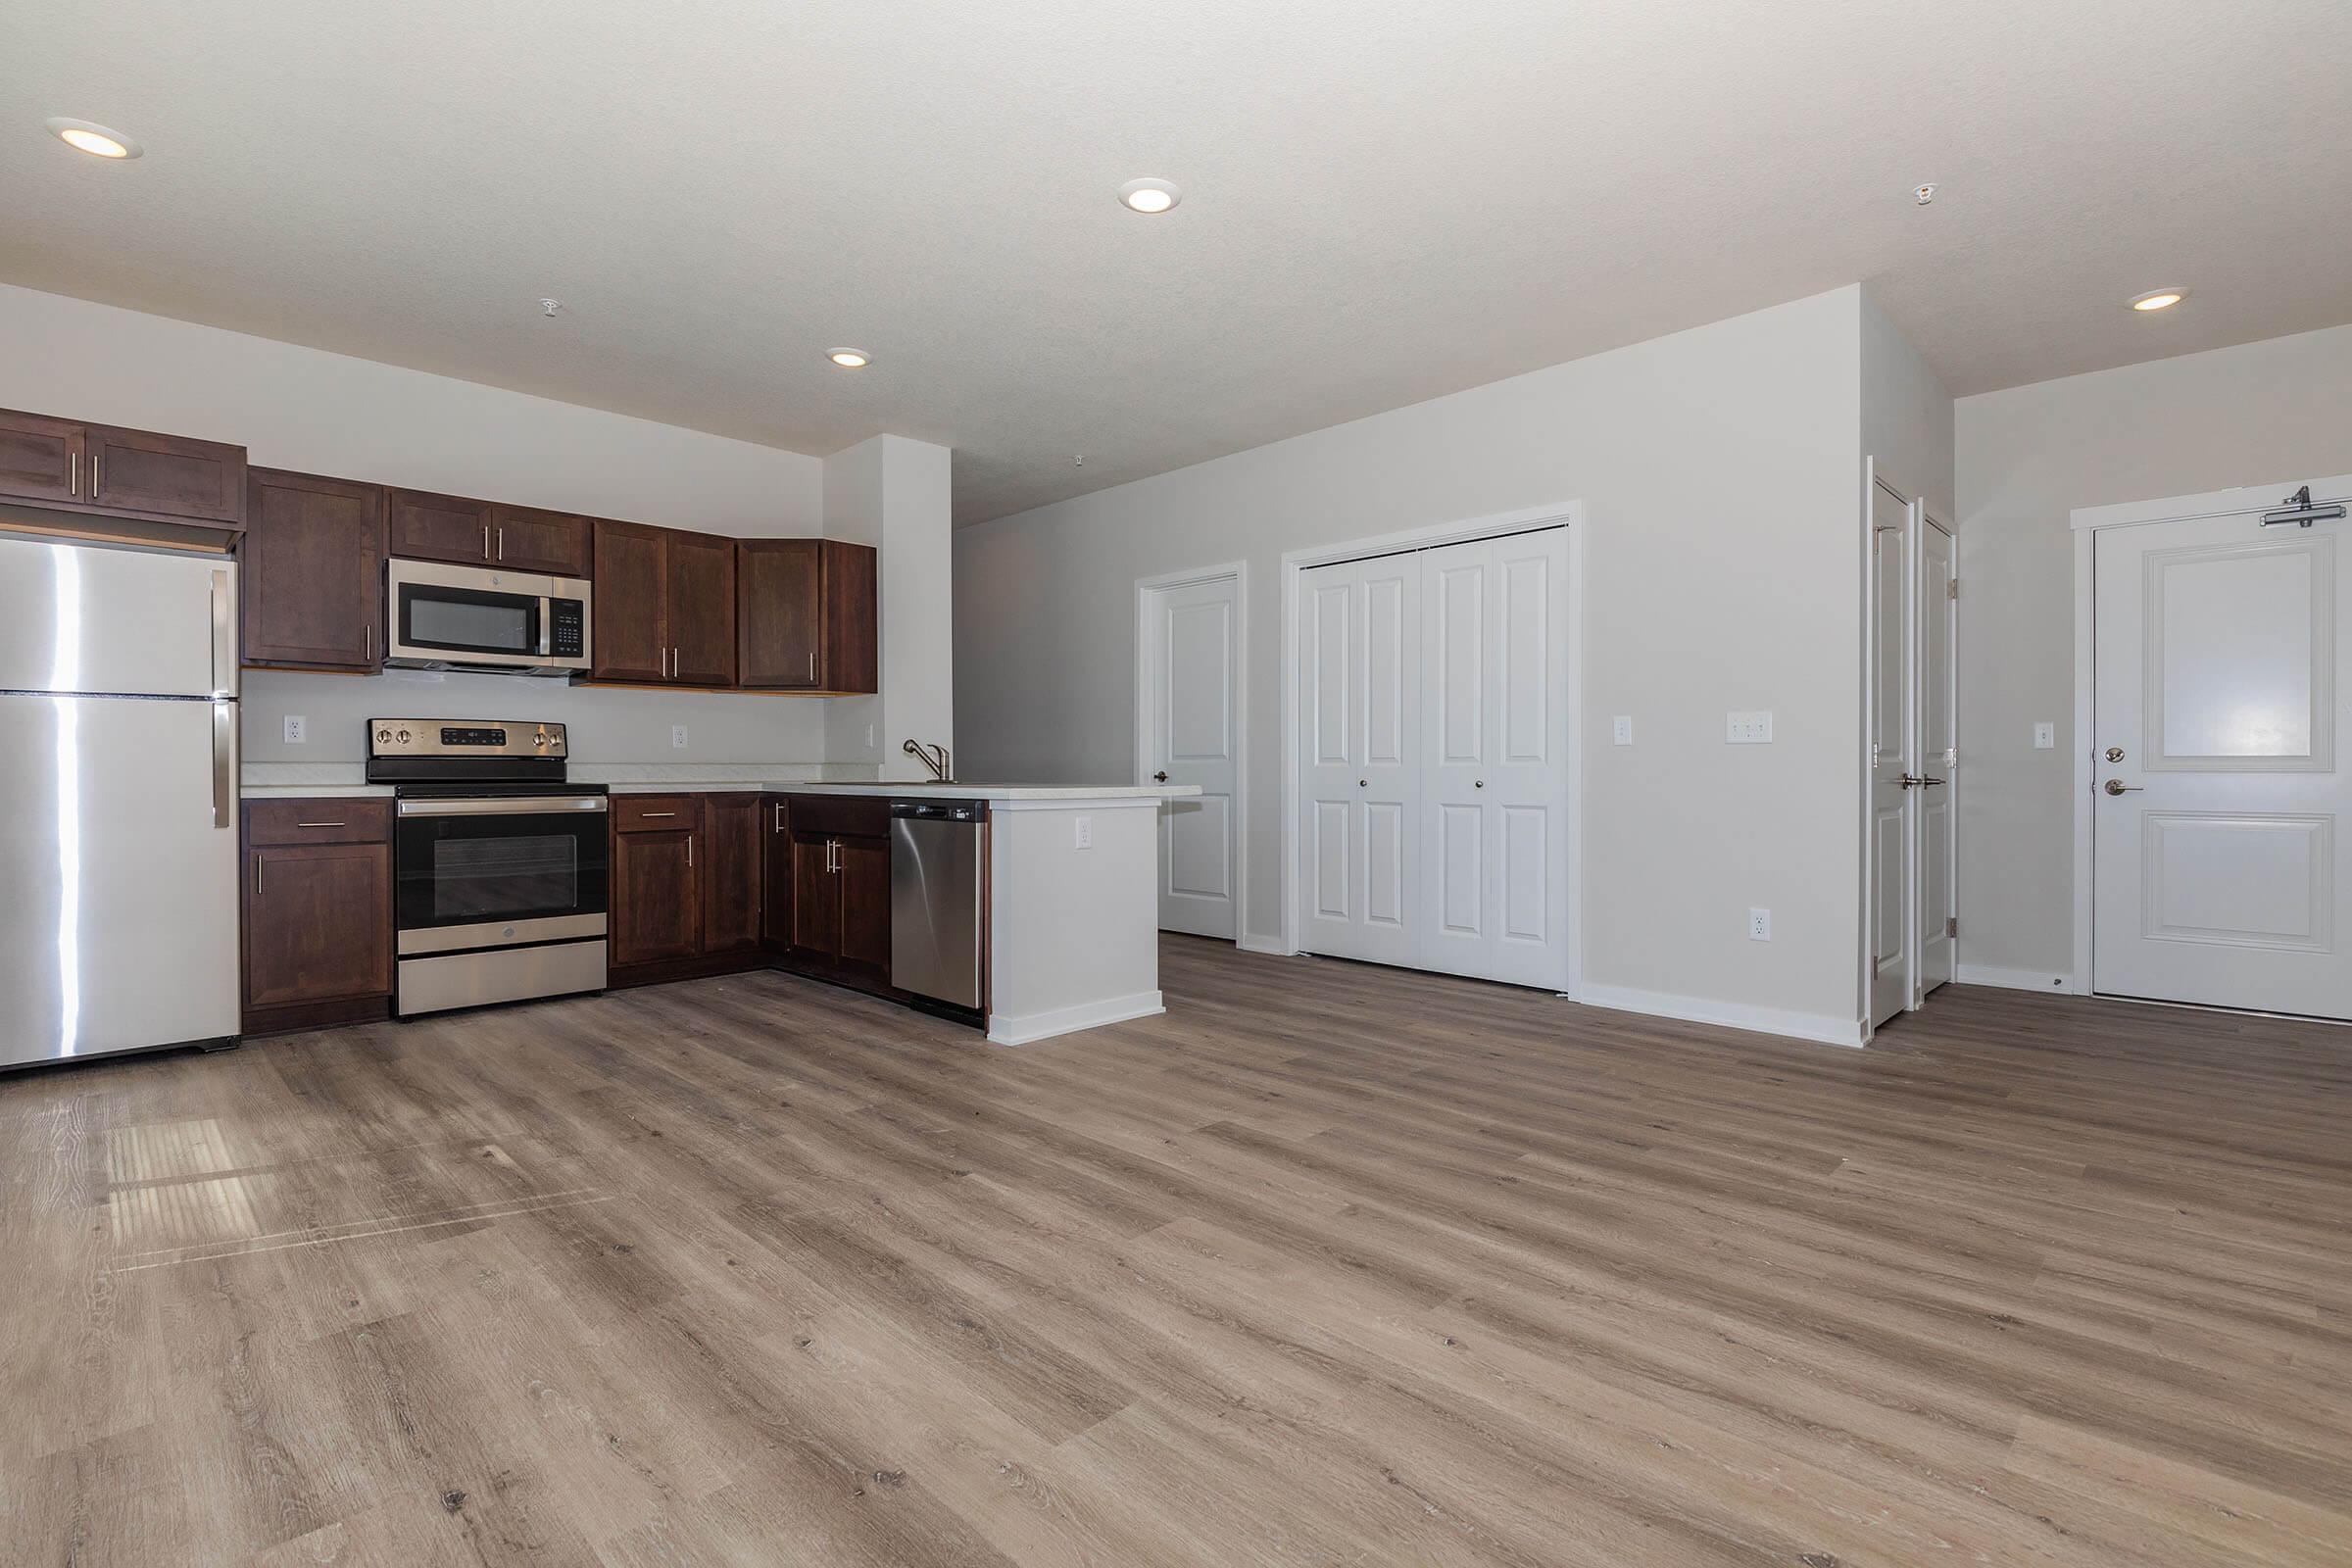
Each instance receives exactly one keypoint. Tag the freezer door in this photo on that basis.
(80, 618)
(119, 862)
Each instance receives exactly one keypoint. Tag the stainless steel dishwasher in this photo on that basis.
(938, 858)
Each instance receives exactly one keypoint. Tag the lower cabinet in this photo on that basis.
(687, 884)
(838, 864)
(318, 897)
(731, 881)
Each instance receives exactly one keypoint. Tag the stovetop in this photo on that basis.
(467, 756)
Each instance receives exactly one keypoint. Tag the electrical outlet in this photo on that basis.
(1747, 729)
(1086, 832)
(1759, 925)
(298, 731)
(1623, 733)
(2045, 735)
(677, 737)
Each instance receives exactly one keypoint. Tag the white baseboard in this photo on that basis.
(1272, 944)
(2041, 980)
(1007, 1029)
(1825, 1028)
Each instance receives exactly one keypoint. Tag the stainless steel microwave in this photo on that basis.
(440, 617)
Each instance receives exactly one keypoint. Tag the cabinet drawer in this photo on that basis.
(325, 819)
(857, 815)
(657, 814)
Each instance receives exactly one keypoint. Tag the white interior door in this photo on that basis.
(1192, 659)
(1358, 716)
(2218, 840)
(1494, 788)
(1937, 806)
(1891, 901)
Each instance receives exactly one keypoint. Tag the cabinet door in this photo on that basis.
(429, 527)
(41, 459)
(314, 572)
(528, 540)
(775, 855)
(701, 611)
(864, 878)
(628, 639)
(317, 922)
(731, 857)
(853, 651)
(137, 470)
(657, 896)
(816, 898)
(779, 613)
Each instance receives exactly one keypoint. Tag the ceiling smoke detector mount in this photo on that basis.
(550, 306)
(1924, 194)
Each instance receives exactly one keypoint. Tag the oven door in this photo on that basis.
(461, 615)
(500, 873)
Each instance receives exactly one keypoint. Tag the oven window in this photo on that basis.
(498, 879)
(469, 620)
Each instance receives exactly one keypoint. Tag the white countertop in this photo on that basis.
(300, 780)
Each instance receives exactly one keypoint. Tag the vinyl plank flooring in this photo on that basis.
(1330, 1264)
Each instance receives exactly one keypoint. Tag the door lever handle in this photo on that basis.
(2116, 786)
(1160, 777)
(1914, 781)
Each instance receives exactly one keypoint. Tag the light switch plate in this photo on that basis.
(2045, 735)
(1753, 728)
(298, 731)
(1086, 832)
(1623, 732)
(677, 737)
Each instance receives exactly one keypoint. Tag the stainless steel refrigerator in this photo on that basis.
(118, 800)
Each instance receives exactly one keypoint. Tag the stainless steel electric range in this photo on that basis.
(500, 865)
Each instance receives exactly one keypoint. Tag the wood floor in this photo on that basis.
(1332, 1264)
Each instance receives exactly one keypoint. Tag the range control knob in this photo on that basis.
(382, 735)
(403, 737)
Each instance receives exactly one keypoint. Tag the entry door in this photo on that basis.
(1940, 755)
(1192, 651)
(1359, 758)
(1494, 716)
(2218, 839)
(1890, 756)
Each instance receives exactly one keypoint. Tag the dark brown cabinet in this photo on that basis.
(100, 467)
(318, 897)
(840, 868)
(657, 896)
(664, 605)
(483, 533)
(807, 616)
(731, 873)
(313, 560)
(775, 874)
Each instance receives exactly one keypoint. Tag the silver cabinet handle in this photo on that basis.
(502, 544)
(779, 827)
(367, 643)
(318, 824)
(812, 670)
(256, 874)
(485, 541)
(95, 457)
(649, 815)
(73, 476)
(689, 852)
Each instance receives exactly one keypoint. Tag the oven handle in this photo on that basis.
(530, 806)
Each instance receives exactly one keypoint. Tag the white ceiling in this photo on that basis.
(1383, 201)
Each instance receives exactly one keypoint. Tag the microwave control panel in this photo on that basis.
(566, 628)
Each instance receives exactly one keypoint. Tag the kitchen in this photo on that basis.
(445, 841)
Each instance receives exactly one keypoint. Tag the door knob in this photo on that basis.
(1477, 783)
(2116, 786)
(1160, 777)
(1364, 783)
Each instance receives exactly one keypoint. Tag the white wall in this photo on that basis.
(1719, 471)
(1907, 416)
(893, 493)
(297, 408)
(2273, 413)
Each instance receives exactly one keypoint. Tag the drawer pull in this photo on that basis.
(319, 824)
(649, 815)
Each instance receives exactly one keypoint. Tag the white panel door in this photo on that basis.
(1330, 889)
(1939, 752)
(2219, 837)
(1191, 651)
(1890, 756)
(1494, 835)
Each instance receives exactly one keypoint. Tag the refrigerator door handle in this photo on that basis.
(224, 718)
(224, 672)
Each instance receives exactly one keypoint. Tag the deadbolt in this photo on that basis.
(2115, 754)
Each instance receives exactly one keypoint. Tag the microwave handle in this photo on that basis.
(547, 613)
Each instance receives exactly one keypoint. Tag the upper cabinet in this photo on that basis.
(664, 605)
(313, 556)
(807, 616)
(135, 474)
(483, 534)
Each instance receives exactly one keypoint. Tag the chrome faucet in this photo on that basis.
(934, 759)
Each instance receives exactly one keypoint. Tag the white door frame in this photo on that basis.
(1953, 783)
(2087, 521)
(1145, 588)
(1568, 514)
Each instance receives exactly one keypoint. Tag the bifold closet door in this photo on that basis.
(1359, 767)
(1494, 777)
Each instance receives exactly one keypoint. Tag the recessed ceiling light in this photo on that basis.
(2159, 299)
(96, 140)
(849, 359)
(1150, 195)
